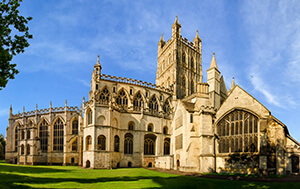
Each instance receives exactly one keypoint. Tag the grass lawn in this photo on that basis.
(17, 176)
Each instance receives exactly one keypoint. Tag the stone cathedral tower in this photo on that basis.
(179, 63)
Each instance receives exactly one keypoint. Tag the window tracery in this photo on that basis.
(58, 136)
(44, 136)
(75, 127)
(153, 105)
(167, 107)
(138, 102)
(117, 143)
(167, 146)
(149, 145)
(104, 96)
(240, 128)
(101, 142)
(122, 99)
(88, 141)
(128, 143)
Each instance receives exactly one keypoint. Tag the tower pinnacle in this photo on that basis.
(213, 63)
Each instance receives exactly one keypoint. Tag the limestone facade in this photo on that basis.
(178, 123)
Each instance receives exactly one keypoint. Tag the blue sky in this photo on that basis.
(256, 42)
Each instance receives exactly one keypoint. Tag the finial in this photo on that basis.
(176, 20)
(10, 110)
(162, 37)
(50, 104)
(197, 35)
(66, 102)
(232, 84)
(36, 106)
(23, 108)
(214, 54)
(98, 59)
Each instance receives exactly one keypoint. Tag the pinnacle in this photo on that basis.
(213, 63)
(176, 20)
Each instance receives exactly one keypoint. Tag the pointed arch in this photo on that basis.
(101, 142)
(192, 64)
(16, 135)
(74, 144)
(149, 144)
(58, 135)
(153, 104)
(74, 125)
(166, 106)
(131, 126)
(122, 98)
(128, 143)
(150, 127)
(167, 146)
(89, 116)
(183, 58)
(138, 101)
(192, 87)
(183, 85)
(116, 143)
(88, 142)
(104, 96)
(43, 134)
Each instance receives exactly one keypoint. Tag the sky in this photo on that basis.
(256, 41)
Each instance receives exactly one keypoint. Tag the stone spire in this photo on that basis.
(176, 20)
(98, 67)
(213, 63)
(232, 86)
(10, 111)
(197, 35)
(197, 41)
(162, 38)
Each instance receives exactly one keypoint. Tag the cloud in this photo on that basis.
(84, 82)
(4, 112)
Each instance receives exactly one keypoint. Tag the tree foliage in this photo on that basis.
(2, 147)
(14, 34)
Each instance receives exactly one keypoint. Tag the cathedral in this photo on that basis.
(181, 122)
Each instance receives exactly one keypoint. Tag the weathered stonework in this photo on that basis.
(178, 123)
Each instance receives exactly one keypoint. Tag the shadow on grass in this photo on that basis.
(28, 169)
(10, 180)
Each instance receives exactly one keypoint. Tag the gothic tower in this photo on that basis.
(179, 63)
(213, 79)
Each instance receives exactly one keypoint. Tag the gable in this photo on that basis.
(240, 99)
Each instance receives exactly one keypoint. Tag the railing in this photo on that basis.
(135, 82)
(47, 110)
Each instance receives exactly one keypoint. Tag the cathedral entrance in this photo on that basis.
(295, 164)
(88, 164)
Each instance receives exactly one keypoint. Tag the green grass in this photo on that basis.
(17, 176)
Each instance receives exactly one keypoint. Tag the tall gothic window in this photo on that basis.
(104, 96)
(117, 143)
(183, 58)
(149, 144)
(88, 141)
(150, 127)
(44, 136)
(28, 134)
(241, 129)
(22, 149)
(128, 143)
(192, 64)
(165, 130)
(16, 138)
(23, 134)
(122, 99)
(101, 142)
(153, 105)
(138, 102)
(28, 149)
(58, 136)
(192, 87)
(167, 107)
(90, 116)
(167, 146)
(183, 84)
(75, 127)
(74, 145)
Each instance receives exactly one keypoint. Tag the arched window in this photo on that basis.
(131, 126)
(241, 128)
(183, 84)
(150, 127)
(28, 149)
(165, 130)
(22, 149)
(58, 136)
(16, 138)
(117, 143)
(23, 134)
(153, 105)
(138, 102)
(75, 127)
(90, 116)
(192, 64)
(183, 58)
(192, 87)
(166, 107)
(74, 145)
(128, 143)
(122, 99)
(44, 136)
(169, 59)
(101, 142)
(104, 96)
(28, 134)
(149, 144)
(88, 141)
(167, 146)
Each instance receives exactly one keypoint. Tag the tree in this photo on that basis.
(2, 147)
(11, 23)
